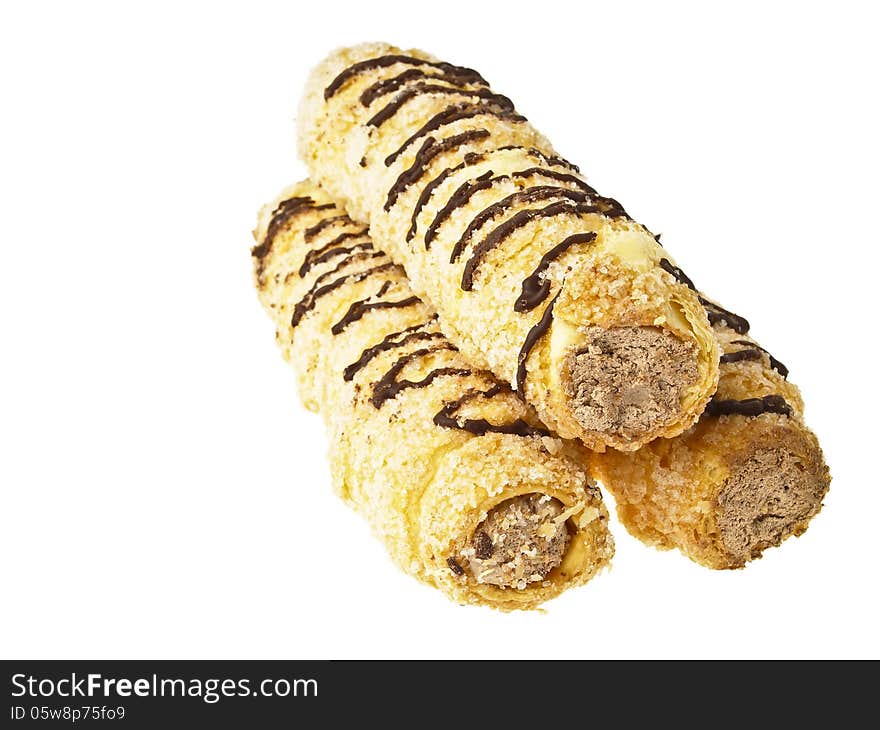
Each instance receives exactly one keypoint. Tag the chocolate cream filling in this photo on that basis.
(629, 381)
(770, 496)
(520, 542)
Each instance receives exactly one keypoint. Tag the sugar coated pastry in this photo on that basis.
(536, 276)
(457, 477)
(748, 475)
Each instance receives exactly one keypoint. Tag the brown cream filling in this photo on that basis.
(520, 542)
(764, 501)
(629, 381)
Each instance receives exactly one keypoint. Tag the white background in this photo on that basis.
(163, 492)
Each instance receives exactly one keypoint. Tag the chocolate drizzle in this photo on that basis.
(388, 386)
(394, 388)
(471, 158)
(467, 190)
(676, 272)
(749, 407)
(461, 195)
(450, 114)
(716, 313)
(607, 206)
(460, 77)
(559, 177)
(390, 342)
(318, 290)
(428, 151)
(310, 233)
(389, 60)
(394, 106)
(446, 418)
(359, 308)
(535, 334)
(749, 354)
(535, 287)
(391, 84)
(497, 236)
(283, 213)
(777, 365)
(332, 250)
(552, 160)
(611, 208)
(529, 195)
(719, 315)
(752, 352)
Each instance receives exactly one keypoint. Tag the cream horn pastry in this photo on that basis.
(536, 277)
(456, 476)
(748, 475)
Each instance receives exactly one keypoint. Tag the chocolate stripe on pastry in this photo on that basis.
(749, 406)
(461, 195)
(559, 177)
(611, 208)
(331, 250)
(428, 151)
(389, 60)
(310, 233)
(497, 236)
(718, 315)
(485, 181)
(390, 85)
(535, 334)
(445, 418)
(360, 308)
(390, 342)
(307, 303)
(387, 386)
(394, 106)
(471, 158)
(553, 160)
(450, 114)
(750, 354)
(777, 365)
(345, 236)
(391, 390)
(529, 195)
(679, 275)
(535, 288)
(283, 213)
(351, 258)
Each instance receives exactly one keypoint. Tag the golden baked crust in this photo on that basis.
(421, 444)
(522, 259)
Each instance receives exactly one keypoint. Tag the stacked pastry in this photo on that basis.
(552, 299)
